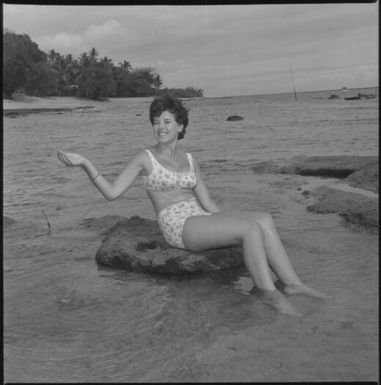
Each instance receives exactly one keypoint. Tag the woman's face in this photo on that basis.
(166, 128)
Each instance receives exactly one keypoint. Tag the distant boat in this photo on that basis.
(334, 96)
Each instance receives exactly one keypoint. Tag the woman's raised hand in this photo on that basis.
(70, 158)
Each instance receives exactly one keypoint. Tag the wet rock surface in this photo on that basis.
(366, 177)
(335, 166)
(103, 224)
(7, 222)
(354, 208)
(339, 166)
(233, 118)
(136, 244)
(356, 171)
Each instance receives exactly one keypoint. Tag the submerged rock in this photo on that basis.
(269, 167)
(366, 177)
(233, 118)
(103, 224)
(335, 166)
(7, 221)
(137, 244)
(354, 208)
(357, 171)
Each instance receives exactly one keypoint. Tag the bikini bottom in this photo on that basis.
(171, 220)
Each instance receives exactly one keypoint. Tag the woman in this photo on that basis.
(187, 216)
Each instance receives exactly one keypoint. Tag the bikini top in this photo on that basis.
(164, 179)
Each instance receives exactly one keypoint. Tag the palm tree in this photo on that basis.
(93, 55)
(84, 74)
(57, 61)
(125, 66)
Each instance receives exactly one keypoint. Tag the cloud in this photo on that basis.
(108, 30)
(62, 42)
(93, 36)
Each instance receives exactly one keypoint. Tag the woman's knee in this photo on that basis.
(247, 226)
(252, 228)
(265, 220)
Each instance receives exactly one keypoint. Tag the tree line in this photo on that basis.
(36, 73)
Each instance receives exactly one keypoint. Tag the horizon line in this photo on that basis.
(291, 92)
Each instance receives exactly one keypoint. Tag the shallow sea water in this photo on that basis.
(67, 319)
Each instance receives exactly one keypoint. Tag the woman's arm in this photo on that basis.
(109, 190)
(202, 192)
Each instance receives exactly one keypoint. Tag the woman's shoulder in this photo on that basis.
(141, 160)
(140, 152)
(190, 155)
(187, 154)
(182, 150)
(140, 156)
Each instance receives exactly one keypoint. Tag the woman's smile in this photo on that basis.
(166, 125)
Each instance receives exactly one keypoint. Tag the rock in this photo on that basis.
(354, 208)
(101, 225)
(268, 167)
(366, 177)
(7, 222)
(12, 113)
(335, 166)
(233, 118)
(366, 218)
(137, 244)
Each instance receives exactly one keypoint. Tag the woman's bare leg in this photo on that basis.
(221, 230)
(279, 260)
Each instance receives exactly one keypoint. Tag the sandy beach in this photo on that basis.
(23, 105)
(33, 102)
(68, 319)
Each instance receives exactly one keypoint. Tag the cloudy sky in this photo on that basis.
(224, 50)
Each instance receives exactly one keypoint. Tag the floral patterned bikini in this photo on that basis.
(171, 219)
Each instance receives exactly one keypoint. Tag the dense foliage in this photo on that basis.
(27, 68)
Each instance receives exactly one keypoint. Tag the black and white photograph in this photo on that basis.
(190, 193)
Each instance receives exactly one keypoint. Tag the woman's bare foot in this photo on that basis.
(278, 301)
(303, 289)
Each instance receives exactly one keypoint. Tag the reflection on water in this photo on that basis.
(66, 319)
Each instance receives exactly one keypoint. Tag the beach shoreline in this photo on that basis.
(22, 105)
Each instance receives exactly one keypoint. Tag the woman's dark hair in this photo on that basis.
(174, 106)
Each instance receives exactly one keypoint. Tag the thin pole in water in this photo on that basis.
(293, 85)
